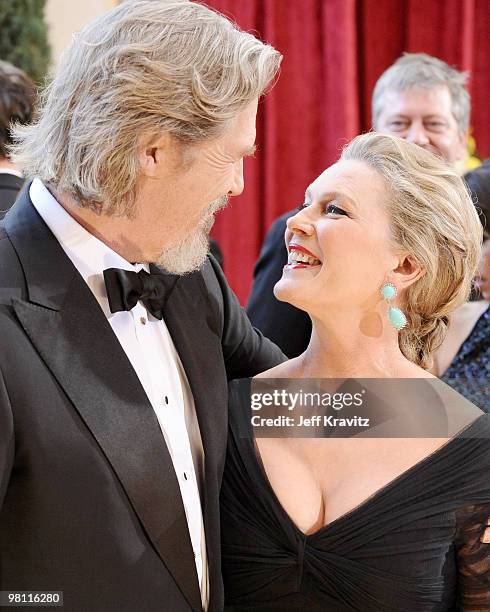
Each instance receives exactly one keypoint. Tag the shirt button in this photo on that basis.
(185, 476)
(143, 320)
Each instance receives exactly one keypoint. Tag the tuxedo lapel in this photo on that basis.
(190, 321)
(201, 354)
(67, 327)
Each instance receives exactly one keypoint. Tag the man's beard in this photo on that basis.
(191, 253)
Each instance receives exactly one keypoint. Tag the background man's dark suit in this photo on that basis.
(10, 186)
(89, 500)
(284, 324)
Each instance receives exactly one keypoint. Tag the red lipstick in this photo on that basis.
(297, 247)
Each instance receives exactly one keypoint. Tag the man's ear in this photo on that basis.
(153, 151)
(407, 272)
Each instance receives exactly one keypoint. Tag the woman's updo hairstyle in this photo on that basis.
(433, 218)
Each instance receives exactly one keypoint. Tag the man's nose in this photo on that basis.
(238, 181)
(417, 134)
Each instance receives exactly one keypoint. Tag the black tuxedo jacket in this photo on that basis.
(89, 500)
(287, 326)
(10, 186)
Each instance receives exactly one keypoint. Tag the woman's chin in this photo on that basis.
(294, 279)
(287, 290)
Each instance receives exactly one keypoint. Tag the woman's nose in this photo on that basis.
(300, 223)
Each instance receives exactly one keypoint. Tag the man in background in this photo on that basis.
(17, 98)
(419, 98)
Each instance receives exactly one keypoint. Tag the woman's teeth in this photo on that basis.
(295, 257)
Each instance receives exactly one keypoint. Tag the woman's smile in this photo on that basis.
(300, 258)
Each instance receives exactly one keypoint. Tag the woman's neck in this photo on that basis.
(364, 349)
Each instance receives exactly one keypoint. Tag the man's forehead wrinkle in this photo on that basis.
(421, 115)
(227, 152)
(414, 97)
(244, 139)
(242, 148)
(217, 154)
(419, 87)
(396, 113)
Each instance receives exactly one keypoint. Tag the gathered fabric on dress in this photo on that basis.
(413, 546)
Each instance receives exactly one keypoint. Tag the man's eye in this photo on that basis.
(397, 125)
(334, 210)
(302, 206)
(436, 125)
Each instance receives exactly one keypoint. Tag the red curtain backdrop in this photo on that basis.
(334, 51)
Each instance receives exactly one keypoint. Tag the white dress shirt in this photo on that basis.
(149, 347)
(11, 171)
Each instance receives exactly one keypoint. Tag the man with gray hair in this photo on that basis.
(423, 100)
(419, 98)
(118, 331)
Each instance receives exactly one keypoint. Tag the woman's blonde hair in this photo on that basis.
(147, 66)
(433, 219)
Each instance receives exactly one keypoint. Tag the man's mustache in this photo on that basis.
(218, 204)
(208, 219)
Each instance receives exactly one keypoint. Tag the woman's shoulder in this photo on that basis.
(286, 369)
(457, 474)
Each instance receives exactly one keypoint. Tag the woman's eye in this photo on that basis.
(329, 209)
(334, 210)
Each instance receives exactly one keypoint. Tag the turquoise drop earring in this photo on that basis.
(395, 315)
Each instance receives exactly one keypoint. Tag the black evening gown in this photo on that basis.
(413, 546)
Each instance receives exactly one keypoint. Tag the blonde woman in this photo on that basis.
(384, 248)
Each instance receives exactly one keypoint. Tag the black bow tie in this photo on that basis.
(126, 288)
